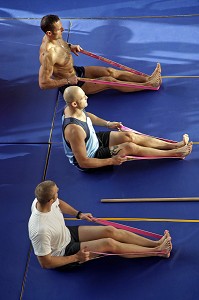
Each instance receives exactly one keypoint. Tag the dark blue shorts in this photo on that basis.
(80, 72)
(74, 246)
(103, 151)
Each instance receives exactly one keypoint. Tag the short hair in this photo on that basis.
(47, 22)
(43, 191)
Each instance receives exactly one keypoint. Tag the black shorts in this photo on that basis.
(103, 151)
(80, 72)
(74, 246)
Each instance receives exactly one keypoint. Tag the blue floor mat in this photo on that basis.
(109, 277)
(22, 168)
(27, 115)
(89, 9)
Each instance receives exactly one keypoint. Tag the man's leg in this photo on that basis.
(97, 72)
(113, 75)
(117, 138)
(88, 233)
(110, 239)
(130, 148)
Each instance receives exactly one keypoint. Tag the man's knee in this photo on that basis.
(131, 148)
(108, 78)
(110, 244)
(110, 231)
(112, 72)
(129, 137)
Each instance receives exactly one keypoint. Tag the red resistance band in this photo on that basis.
(111, 62)
(124, 128)
(140, 86)
(127, 228)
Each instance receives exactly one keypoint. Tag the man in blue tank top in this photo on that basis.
(87, 149)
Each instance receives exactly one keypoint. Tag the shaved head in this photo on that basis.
(73, 93)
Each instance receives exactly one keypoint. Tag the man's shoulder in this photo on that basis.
(48, 50)
(74, 130)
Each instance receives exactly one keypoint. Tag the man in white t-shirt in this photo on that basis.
(56, 245)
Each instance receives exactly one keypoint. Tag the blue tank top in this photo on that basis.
(91, 140)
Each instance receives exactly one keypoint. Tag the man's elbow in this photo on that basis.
(43, 85)
(44, 264)
(85, 164)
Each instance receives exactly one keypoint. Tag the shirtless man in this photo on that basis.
(85, 149)
(57, 69)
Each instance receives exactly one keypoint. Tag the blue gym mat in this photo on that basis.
(22, 168)
(31, 147)
(114, 277)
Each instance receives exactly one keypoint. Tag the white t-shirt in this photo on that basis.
(47, 231)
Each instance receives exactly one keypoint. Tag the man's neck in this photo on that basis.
(74, 113)
(49, 39)
(43, 208)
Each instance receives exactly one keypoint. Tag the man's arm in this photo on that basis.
(101, 122)
(74, 48)
(76, 136)
(46, 72)
(69, 210)
(51, 262)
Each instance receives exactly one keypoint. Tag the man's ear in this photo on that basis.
(74, 104)
(48, 33)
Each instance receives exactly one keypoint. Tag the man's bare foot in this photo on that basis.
(165, 236)
(155, 72)
(155, 79)
(186, 138)
(183, 151)
(182, 143)
(165, 248)
(160, 70)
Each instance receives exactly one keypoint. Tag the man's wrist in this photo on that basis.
(69, 45)
(108, 124)
(78, 214)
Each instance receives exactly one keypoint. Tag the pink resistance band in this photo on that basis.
(131, 229)
(130, 253)
(111, 62)
(98, 81)
(130, 157)
(124, 128)
(127, 228)
(136, 86)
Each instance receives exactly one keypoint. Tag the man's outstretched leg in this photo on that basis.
(129, 143)
(117, 76)
(109, 239)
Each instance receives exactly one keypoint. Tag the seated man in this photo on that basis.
(57, 69)
(86, 149)
(57, 245)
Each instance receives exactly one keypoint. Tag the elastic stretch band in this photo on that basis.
(130, 229)
(111, 62)
(127, 228)
(124, 128)
(130, 253)
(99, 81)
(131, 157)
